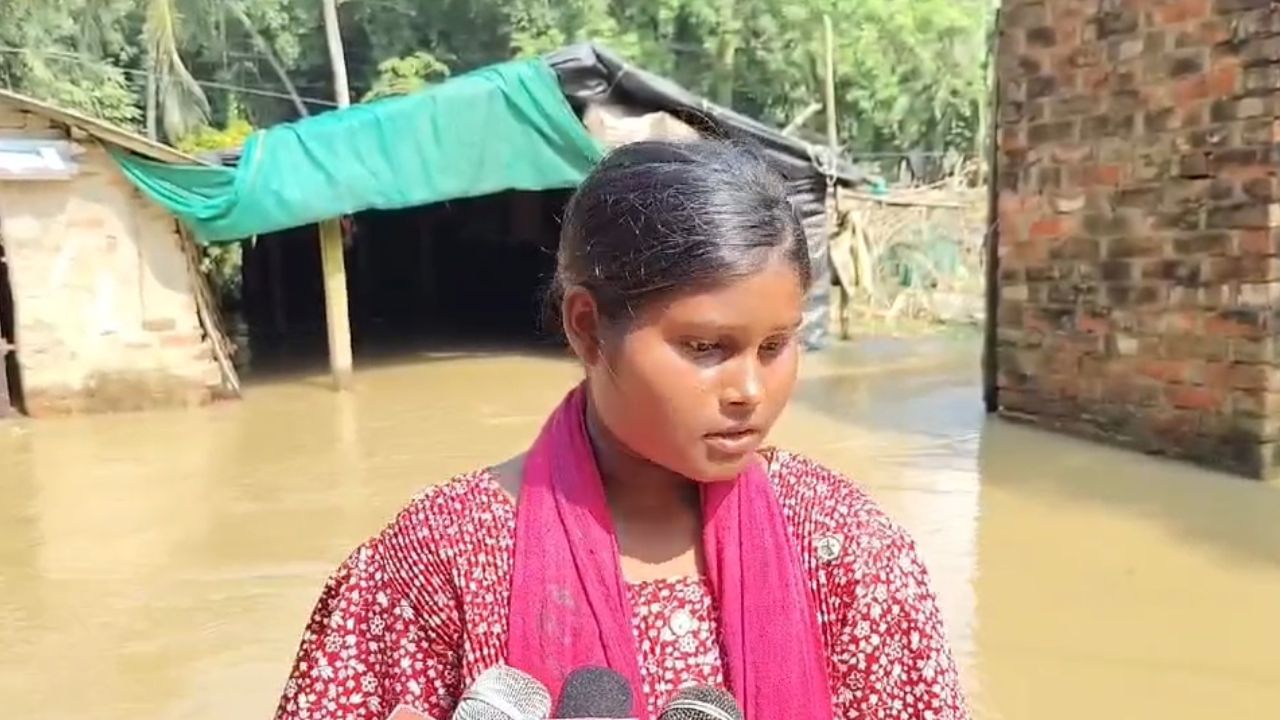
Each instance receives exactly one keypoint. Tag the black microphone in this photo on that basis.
(595, 692)
(702, 702)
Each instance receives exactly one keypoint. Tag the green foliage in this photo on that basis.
(221, 264)
(208, 139)
(43, 44)
(403, 75)
(178, 97)
(911, 74)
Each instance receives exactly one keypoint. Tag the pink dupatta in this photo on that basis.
(569, 602)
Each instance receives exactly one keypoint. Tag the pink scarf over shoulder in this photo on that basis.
(569, 602)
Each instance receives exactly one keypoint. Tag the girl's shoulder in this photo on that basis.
(466, 506)
(831, 516)
(466, 523)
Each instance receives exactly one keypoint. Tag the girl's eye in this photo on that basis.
(699, 347)
(774, 346)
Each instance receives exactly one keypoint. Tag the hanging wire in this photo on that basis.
(88, 60)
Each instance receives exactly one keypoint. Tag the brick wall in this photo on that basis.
(106, 319)
(1139, 211)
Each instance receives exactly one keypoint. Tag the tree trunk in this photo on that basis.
(726, 50)
(337, 58)
(152, 132)
(265, 48)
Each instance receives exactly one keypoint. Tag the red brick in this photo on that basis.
(159, 325)
(1254, 403)
(1110, 175)
(1013, 137)
(1180, 11)
(1168, 371)
(1190, 90)
(1255, 242)
(181, 340)
(1190, 397)
(1180, 322)
(1028, 254)
(1236, 324)
(1049, 227)
(1093, 325)
(1214, 374)
(1246, 172)
(1255, 377)
(1214, 31)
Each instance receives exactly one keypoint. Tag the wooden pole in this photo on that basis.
(990, 340)
(833, 154)
(336, 312)
(830, 95)
(333, 263)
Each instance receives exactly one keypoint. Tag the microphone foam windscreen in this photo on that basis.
(504, 693)
(595, 692)
(702, 703)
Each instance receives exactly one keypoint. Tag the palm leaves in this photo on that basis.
(172, 90)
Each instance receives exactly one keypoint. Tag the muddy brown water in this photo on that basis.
(162, 565)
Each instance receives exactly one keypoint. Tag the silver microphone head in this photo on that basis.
(504, 693)
(702, 703)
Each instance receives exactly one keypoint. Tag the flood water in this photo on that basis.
(162, 565)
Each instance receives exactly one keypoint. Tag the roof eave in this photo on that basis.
(103, 131)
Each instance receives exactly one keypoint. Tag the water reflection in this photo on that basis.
(161, 565)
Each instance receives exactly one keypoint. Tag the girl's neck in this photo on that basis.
(638, 490)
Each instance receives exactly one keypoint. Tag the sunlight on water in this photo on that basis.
(162, 565)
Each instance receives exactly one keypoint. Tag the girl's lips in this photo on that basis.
(734, 442)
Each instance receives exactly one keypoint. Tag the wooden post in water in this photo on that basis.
(337, 315)
(336, 312)
(991, 329)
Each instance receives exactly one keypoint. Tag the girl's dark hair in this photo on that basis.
(660, 218)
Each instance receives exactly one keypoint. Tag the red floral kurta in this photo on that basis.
(418, 612)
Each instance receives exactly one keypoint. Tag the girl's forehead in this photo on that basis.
(772, 296)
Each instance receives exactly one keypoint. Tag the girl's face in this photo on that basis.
(695, 383)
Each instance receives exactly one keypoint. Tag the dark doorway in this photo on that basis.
(464, 274)
(11, 388)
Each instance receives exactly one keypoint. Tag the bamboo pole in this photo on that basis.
(830, 95)
(336, 311)
(833, 149)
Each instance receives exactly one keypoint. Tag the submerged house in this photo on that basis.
(432, 213)
(453, 214)
(100, 305)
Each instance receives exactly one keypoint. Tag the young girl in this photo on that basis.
(646, 529)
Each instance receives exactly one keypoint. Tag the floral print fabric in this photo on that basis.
(416, 613)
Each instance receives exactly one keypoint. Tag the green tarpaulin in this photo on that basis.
(504, 127)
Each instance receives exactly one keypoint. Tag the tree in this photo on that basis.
(171, 89)
(401, 76)
(911, 73)
(69, 52)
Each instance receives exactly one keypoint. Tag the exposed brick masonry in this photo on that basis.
(1139, 207)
